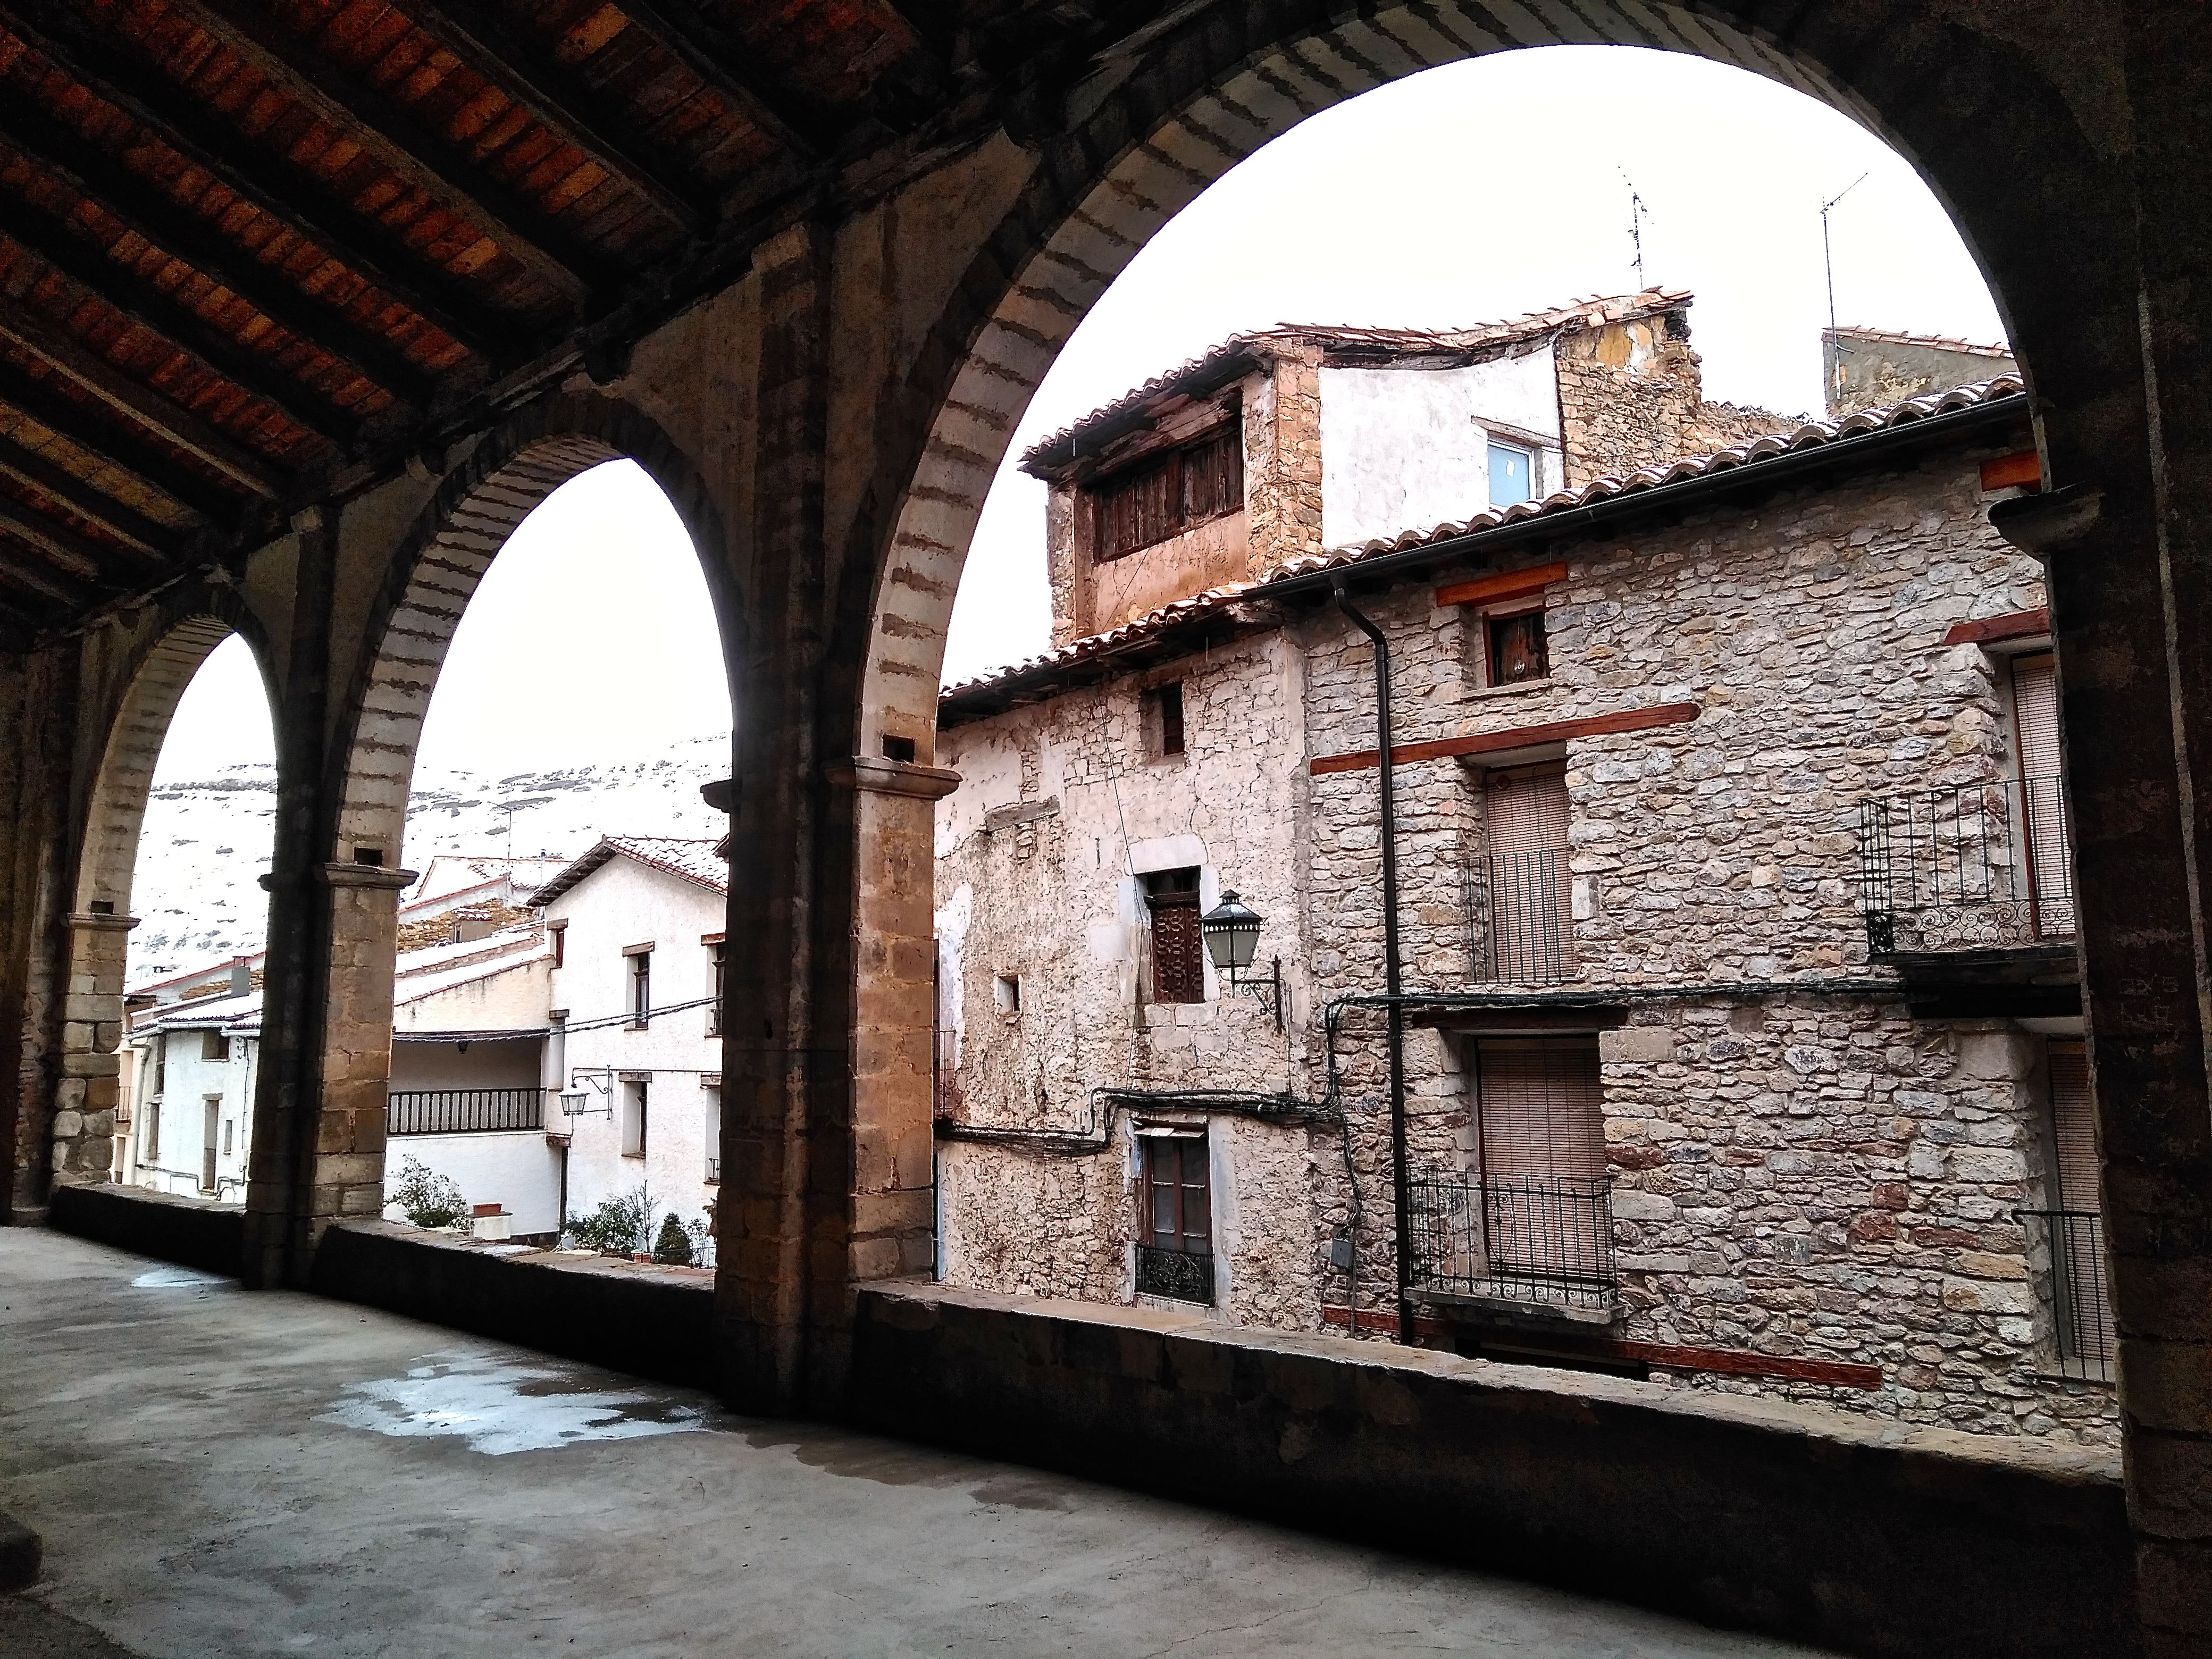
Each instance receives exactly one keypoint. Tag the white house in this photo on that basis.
(636, 932)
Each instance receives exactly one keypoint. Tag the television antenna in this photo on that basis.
(1636, 215)
(1827, 253)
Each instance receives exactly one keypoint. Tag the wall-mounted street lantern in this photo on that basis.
(576, 1099)
(1231, 931)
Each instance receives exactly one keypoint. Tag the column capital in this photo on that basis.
(364, 875)
(92, 922)
(873, 775)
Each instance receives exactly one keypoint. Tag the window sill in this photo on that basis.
(1483, 693)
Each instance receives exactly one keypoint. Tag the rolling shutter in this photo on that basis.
(1541, 1110)
(1525, 814)
(2073, 1130)
(2043, 801)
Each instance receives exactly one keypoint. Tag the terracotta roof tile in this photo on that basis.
(1936, 342)
(1809, 434)
(694, 861)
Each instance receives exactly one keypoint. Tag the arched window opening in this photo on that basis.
(555, 1067)
(193, 991)
(1502, 348)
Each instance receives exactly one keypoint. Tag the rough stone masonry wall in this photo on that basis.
(1632, 395)
(1034, 879)
(1817, 1176)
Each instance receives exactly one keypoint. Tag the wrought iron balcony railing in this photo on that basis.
(463, 1111)
(1183, 1276)
(1520, 930)
(1517, 1239)
(2076, 1295)
(1976, 866)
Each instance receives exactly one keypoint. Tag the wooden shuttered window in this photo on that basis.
(1179, 1202)
(1541, 1108)
(2073, 1131)
(2046, 846)
(1525, 824)
(1158, 499)
(1178, 959)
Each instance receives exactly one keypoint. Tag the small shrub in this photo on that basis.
(426, 1198)
(622, 1225)
(673, 1247)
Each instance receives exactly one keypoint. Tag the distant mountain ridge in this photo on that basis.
(206, 842)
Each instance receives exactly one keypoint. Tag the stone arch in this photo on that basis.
(1214, 91)
(443, 557)
(154, 676)
(332, 1167)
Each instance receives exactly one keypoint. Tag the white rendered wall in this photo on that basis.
(521, 1171)
(620, 904)
(513, 998)
(1407, 449)
(183, 1104)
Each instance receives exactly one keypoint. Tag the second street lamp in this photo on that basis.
(1231, 931)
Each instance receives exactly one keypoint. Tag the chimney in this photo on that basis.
(241, 976)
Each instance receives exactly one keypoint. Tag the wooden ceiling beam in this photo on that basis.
(718, 59)
(556, 96)
(273, 185)
(149, 213)
(142, 304)
(133, 529)
(27, 570)
(67, 550)
(94, 432)
(442, 169)
(35, 332)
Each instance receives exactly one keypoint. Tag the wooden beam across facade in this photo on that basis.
(718, 59)
(1513, 737)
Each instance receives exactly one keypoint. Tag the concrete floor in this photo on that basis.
(215, 1473)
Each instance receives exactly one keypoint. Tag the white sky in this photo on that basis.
(1472, 193)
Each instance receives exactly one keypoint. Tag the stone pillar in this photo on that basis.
(894, 1015)
(89, 1090)
(343, 1177)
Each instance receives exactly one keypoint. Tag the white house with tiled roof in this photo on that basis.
(636, 926)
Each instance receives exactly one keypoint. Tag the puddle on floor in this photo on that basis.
(177, 1279)
(499, 1408)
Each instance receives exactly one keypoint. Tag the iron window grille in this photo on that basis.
(1517, 1239)
(1520, 930)
(463, 1111)
(2068, 1247)
(1976, 866)
(1178, 1275)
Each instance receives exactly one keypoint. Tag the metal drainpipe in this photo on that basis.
(1392, 978)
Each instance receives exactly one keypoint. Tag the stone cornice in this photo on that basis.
(874, 776)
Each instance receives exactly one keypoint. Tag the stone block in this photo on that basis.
(1636, 1045)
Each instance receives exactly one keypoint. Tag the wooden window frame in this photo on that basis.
(1166, 732)
(640, 1102)
(558, 932)
(1178, 471)
(1178, 948)
(717, 968)
(1179, 1235)
(1494, 622)
(641, 986)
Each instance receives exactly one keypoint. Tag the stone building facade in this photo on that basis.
(1730, 1090)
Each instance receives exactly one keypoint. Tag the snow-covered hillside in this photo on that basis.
(196, 893)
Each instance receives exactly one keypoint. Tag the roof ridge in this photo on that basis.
(1805, 434)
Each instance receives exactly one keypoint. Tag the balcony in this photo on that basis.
(463, 1111)
(1181, 1275)
(1519, 927)
(1515, 1243)
(1968, 892)
(2068, 1247)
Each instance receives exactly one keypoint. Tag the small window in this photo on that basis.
(1512, 475)
(640, 987)
(160, 1064)
(149, 1134)
(637, 1098)
(1178, 953)
(1164, 732)
(1517, 649)
(712, 1110)
(1006, 994)
(1176, 1253)
(716, 962)
(1159, 498)
(212, 1114)
(228, 1124)
(213, 1045)
(558, 931)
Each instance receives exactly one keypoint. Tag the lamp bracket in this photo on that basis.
(1268, 990)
